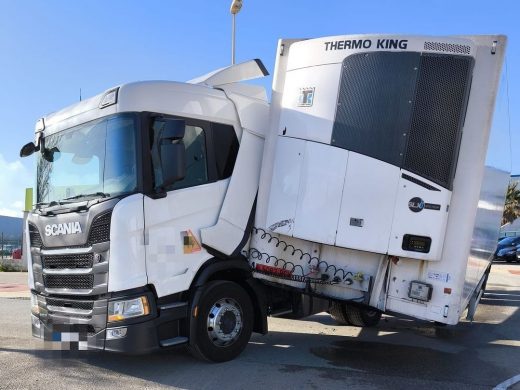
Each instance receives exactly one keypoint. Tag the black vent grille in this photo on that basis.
(437, 116)
(72, 304)
(419, 182)
(100, 230)
(34, 235)
(69, 281)
(404, 108)
(374, 104)
(447, 47)
(83, 260)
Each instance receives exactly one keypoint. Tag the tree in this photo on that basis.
(512, 205)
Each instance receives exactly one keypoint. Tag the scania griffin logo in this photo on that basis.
(58, 229)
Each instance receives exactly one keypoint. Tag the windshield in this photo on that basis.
(92, 160)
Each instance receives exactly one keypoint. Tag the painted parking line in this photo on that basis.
(508, 383)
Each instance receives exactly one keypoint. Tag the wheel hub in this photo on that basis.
(224, 322)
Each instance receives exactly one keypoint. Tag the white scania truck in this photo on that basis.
(186, 213)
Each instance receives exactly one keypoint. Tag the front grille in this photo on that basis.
(69, 281)
(100, 230)
(34, 235)
(72, 304)
(83, 260)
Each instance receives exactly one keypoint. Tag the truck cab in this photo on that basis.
(125, 183)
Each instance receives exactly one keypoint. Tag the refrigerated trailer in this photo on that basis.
(187, 213)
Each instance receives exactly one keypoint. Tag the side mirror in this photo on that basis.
(173, 161)
(51, 155)
(171, 150)
(170, 129)
(28, 149)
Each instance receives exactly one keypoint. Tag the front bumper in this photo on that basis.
(165, 326)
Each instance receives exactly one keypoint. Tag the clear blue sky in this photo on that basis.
(50, 49)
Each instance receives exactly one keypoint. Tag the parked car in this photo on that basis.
(507, 249)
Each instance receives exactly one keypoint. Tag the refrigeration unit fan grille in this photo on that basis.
(437, 116)
(404, 108)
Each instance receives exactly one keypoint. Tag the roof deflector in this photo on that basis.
(248, 70)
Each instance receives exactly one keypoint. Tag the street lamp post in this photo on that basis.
(236, 5)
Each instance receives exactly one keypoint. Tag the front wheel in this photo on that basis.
(224, 322)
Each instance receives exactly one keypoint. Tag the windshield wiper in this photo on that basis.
(49, 204)
(94, 194)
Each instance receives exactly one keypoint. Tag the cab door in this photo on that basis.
(175, 215)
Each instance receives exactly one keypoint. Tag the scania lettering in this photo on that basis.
(171, 213)
(62, 228)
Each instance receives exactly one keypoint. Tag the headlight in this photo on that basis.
(35, 309)
(122, 310)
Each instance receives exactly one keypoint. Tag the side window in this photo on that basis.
(196, 161)
(225, 143)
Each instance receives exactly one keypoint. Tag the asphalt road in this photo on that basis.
(315, 353)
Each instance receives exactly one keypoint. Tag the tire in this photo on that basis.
(337, 312)
(361, 316)
(215, 341)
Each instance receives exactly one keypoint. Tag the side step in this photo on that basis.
(173, 341)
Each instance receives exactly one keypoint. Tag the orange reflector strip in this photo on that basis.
(115, 317)
(146, 306)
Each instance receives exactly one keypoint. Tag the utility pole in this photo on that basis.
(236, 5)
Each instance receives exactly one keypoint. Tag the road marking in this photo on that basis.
(507, 343)
(507, 384)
